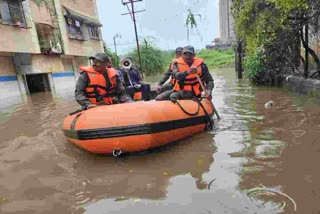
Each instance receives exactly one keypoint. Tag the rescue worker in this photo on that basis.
(168, 74)
(184, 71)
(99, 85)
(135, 87)
(109, 64)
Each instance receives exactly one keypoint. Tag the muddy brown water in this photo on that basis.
(256, 160)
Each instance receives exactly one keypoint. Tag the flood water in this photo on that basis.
(256, 160)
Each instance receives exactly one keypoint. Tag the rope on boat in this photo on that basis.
(188, 113)
(209, 120)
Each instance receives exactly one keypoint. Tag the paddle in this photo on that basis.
(205, 91)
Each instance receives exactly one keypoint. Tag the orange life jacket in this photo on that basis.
(97, 91)
(137, 96)
(191, 82)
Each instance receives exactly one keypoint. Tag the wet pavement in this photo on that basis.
(256, 160)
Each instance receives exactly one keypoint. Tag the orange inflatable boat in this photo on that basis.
(137, 126)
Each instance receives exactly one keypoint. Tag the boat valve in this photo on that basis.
(117, 152)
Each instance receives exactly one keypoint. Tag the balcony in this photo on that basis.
(80, 26)
(49, 41)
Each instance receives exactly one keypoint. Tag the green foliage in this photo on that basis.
(153, 60)
(267, 29)
(114, 58)
(255, 23)
(217, 58)
(253, 65)
(191, 22)
(167, 57)
(289, 5)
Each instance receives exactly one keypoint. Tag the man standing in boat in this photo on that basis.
(168, 74)
(99, 84)
(186, 71)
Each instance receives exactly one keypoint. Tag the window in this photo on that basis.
(74, 28)
(48, 41)
(11, 12)
(94, 32)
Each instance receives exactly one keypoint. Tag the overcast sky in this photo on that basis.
(163, 22)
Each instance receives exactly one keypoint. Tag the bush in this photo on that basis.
(256, 67)
(153, 60)
(115, 59)
(253, 65)
(217, 58)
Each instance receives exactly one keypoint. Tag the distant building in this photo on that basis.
(226, 21)
(218, 44)
(42, 43)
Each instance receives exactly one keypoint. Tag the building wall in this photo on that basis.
(8, 80)
(226, 21)
(46, 64)
(20, 40)
(65, 81)
(22, 46)
(67, 64)
(73, 47)
(87, 7)
(223, 19)
(6, 66)
(40, 13)
(81, 61)
(64, 85)
(23, 40)
(231, 22)
(84, 48)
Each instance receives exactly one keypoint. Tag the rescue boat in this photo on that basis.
(137, 126)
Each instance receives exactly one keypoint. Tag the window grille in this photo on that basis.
(74, 28)
(12, 12)
(94, 32)
(48, 41)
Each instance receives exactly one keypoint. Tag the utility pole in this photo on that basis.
(114, 42)
(239, 53)
(133, 17)
(306, 68)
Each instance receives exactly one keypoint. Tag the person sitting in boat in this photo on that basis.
(135, 87)
(162, 87)
(186, 69)
(99, 85)
(110, 65)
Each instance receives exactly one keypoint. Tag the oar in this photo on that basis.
(205, 91)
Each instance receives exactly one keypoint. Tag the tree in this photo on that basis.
(192, 23)
(152, 59)
(114, 58)
(273, 31)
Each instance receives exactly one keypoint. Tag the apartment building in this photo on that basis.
(43, 42)
(226, 21)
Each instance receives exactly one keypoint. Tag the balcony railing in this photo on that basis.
(48, 41)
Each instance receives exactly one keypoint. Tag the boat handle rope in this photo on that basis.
(76, 111)
(185, 111)
(209, 119)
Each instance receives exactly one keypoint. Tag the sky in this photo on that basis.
(163, 23)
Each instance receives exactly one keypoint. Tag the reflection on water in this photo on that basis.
(256, 160)
(282, 150)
